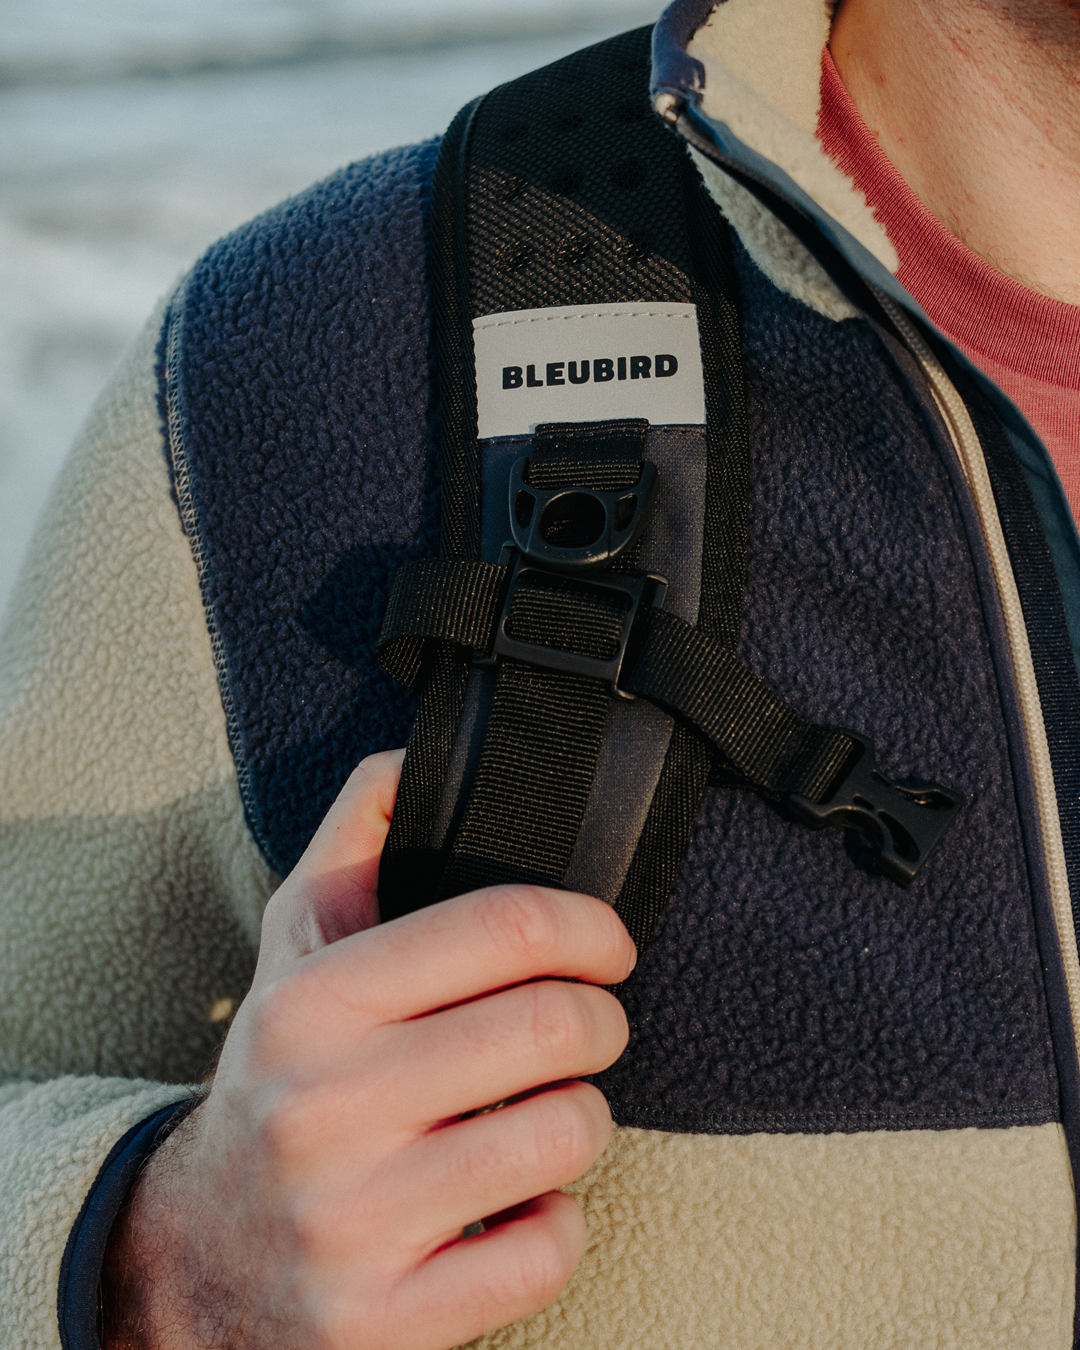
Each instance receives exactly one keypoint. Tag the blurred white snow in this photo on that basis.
(135, 132)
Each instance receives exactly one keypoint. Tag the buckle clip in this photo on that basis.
(904, 824)
(573, 527)
(634, 591)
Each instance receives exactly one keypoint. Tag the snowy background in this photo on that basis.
(135, 132)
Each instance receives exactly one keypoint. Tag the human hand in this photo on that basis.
(316, 1200)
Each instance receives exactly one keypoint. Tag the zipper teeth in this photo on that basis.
(969, 449)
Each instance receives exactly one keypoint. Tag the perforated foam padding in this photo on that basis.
(608, 230)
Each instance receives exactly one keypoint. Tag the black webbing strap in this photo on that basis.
(446, 599)
(545, 729)
(536, 769)
(602, 457)
(760, 736)
(408, 871)
(540, 717)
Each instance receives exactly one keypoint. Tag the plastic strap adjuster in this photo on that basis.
(633, 591)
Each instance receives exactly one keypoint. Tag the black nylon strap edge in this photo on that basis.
(460, 450)
(727, 487)
(408, 872)
(448, 599)
(759, 734)
(684, 776)
(666, 833)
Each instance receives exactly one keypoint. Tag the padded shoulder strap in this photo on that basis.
(580, 649)
(561, 193)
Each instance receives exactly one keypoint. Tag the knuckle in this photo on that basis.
(523, 921)
(274, 1018)
(292, 1128)
(543, 1269)
(559, 1024)
(565, 1137)
(310, 1222)
(479, 1163)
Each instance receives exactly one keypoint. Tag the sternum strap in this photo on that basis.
(554, 731)
(546, 728)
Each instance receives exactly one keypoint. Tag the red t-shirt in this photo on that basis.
(1026, 342)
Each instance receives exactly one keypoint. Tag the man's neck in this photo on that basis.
(977, 103)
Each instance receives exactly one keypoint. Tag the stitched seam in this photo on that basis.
(1039, 1113)
(190, 522)
(684, 313)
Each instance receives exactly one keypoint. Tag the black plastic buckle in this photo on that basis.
(636, 590)
(572, 527)
(903, 823)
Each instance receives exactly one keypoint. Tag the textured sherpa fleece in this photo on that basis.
(130, 890)
(53, 1139)
(768, 93)
(819, 1242)
(794, 1163)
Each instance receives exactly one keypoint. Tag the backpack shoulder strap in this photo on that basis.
(576, 642)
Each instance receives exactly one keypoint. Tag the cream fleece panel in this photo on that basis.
(123, 938)
(131, 892)
(52, 1142)
(785, 261)
(908, 1240)
(775, 47)
(109, 701)
(762, 61)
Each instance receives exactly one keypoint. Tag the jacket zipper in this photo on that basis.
(969, 451)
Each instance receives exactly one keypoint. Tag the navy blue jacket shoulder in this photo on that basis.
(302, 424)
(789, 987)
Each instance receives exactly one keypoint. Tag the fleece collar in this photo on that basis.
(742, 80)
(748, 73)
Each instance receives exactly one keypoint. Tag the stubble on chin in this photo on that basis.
(1054, 22)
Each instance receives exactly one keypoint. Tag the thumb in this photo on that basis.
(332, 891)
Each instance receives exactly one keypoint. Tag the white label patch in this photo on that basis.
(587, 364)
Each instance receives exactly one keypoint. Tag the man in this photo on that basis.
(846, 1110)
